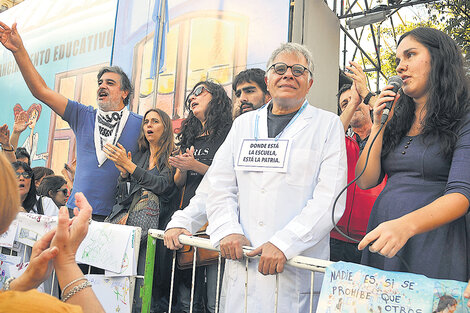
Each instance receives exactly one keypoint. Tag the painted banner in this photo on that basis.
(204, 39)
(353, 288)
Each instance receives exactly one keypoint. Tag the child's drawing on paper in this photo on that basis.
(113, 292)
(102, 246)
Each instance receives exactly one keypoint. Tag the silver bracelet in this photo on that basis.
(6, 284)
(76, 289)
(71, 283)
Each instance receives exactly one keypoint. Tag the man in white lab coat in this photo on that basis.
(272, 185)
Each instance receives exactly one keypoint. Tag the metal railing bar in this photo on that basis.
(217, 291)
(312, 277)
(302, 262)
(246, 284)
(172, 283)
(193, 280)
(276, 293)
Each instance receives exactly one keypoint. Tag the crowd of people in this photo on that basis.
(214, 177)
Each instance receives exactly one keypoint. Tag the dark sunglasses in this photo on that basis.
(297, 69)
(197, 91)
(65, 191)
(24, 174)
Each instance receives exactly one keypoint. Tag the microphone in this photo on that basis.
(396, 82)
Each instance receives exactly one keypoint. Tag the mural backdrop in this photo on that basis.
(69, 41)
(204, 39)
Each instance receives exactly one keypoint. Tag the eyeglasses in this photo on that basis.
(297, 69)
(25, 175)
(196, 92)
(65, 191)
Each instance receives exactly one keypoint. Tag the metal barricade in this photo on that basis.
(311, 264)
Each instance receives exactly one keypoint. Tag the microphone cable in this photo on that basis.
(345, 188)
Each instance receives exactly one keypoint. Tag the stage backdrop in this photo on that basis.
(67, 42)
(205, 39)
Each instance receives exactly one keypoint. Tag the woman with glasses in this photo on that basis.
(202, 132)
(56, 248)
(146, 175)
(55, 188)
(31, 202)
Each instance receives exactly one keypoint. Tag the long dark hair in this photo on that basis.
(448, 98)
(218, 117)
(166, 142)
(51, 183)
(30, 199)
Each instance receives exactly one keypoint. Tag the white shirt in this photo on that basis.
(48, 205)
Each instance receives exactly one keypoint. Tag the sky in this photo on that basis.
(411, 14)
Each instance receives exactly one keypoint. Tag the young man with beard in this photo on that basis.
(110, 123)
(357, 123)
(250, 90)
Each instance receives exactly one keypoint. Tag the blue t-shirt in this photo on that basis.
(98, 184)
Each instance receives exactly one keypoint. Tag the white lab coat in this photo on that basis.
(291, 210)
(192, 217)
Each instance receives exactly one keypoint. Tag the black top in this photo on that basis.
(276, 123)
(204, 151)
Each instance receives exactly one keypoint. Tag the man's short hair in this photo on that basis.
(22, 153)
(41, 171)
(343, 88)
(295, 48)
(125, 82)
(251, 75)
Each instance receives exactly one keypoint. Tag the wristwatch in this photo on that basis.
(367, 98)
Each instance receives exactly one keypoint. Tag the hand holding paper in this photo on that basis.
(40, 265)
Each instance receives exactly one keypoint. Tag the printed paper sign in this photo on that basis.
(264, 155)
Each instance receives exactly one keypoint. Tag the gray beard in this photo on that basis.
(108, 106)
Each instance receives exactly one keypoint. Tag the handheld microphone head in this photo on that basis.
(396, 82)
